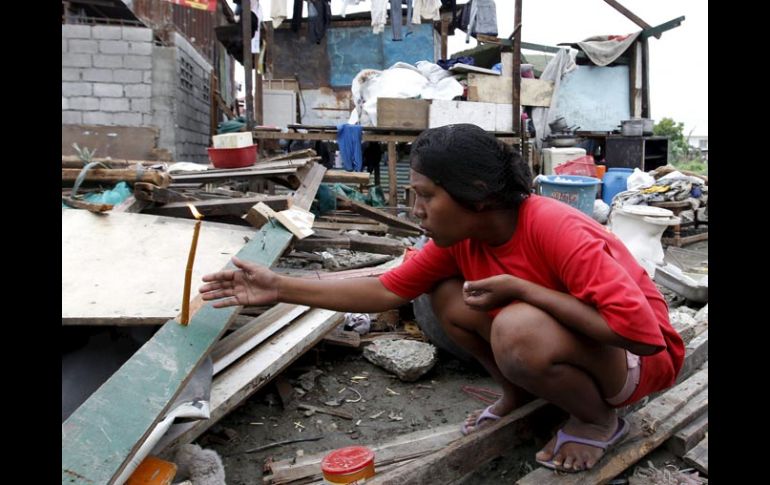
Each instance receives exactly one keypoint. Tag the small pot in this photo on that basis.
(559, 124)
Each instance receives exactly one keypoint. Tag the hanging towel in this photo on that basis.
(349, 141)
(278, 12)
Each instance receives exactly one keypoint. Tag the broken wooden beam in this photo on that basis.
(345, 177)
(73, 161)
(112, 176)
(89, 206)
(325, 410)
(153, 193)
(689, 436)
(220, 207)
(699, 456)
(377, 214)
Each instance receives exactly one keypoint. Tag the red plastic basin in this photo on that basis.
(233, 157)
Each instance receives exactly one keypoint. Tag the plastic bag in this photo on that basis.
(639, 180)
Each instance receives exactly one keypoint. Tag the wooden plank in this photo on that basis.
(402, 448)
(140, 257)
(402, 113)
(334, 226)
(377, 214)
(453, 461)
(382, 138)
(696, 354)
(495, 89)
(672, 401)
(110, 175)
(636, 445)
(74, 161)
(374, 244)
(234, 173)
(699, 456)
(153, 193)
(239, 381)
(131, 205)
(103, 434)
(306, 153)
(220, 207)
(392, 181)
(345, 177)
(89, 206)
(687, 437)
(343, 338)
(238, 343)
(311, 177)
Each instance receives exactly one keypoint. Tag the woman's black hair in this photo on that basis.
(475, 168)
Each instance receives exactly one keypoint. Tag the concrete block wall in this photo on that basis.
(192, 99)
(106, 75)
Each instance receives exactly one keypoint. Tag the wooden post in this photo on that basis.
(645, 80)
(444, 32)
(214, 108)
(392, 182)
(516, 74)
(258, 118)
(247, 64)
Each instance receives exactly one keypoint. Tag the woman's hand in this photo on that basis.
(490, 293)
(251, 284)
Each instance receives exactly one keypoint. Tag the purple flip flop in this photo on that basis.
(485, 414)
(562, 438)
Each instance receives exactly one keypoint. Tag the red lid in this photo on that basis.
(347, 460)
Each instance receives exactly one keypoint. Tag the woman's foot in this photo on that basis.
(574, 456)
(494, 412)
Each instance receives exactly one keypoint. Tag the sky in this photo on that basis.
(678, 60)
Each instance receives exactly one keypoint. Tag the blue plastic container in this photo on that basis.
(575, 190)
(614, 182)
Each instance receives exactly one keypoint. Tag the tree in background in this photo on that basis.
(682, 155)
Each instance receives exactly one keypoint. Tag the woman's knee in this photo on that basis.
(451, 311)
(522, 340)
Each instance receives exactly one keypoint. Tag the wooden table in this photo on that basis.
(381, 135)
(677, 206)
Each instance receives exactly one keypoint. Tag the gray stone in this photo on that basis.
(307, 380)
(702, 317)
(408, 359)
(138, 90)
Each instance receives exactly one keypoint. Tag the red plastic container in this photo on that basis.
(584, 166)
(353, 464)
(233, 157)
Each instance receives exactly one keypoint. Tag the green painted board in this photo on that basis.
(100, 437)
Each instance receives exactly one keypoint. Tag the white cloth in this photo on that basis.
(379, 15)
(278, 12)
(425, 9)
(257, 9)
(345, 4)
(603, 49)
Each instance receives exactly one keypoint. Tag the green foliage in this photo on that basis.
(678, 145)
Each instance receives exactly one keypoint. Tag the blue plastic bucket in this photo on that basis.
(575, 190)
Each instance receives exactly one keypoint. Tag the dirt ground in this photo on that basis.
(387, 408)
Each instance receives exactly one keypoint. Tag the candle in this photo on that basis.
(188, 271)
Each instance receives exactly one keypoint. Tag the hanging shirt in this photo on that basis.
(426, 9)
(349, 141)
(379, 15)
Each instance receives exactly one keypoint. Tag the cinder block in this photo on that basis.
(113, 47)
(70, 59)
(108, 90)
(71, 118)
(137, 62)
(106, 32)
(103, 60)
(83, 46)
(140, 48)
(97, 118)
(71, 74)
(76, 89)
(138, 90)
(139, 34)
(84, 103)
(128, 119)
(126, 76)
(73, 31)
(140, 105)
(113, 104)
(98, 75)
